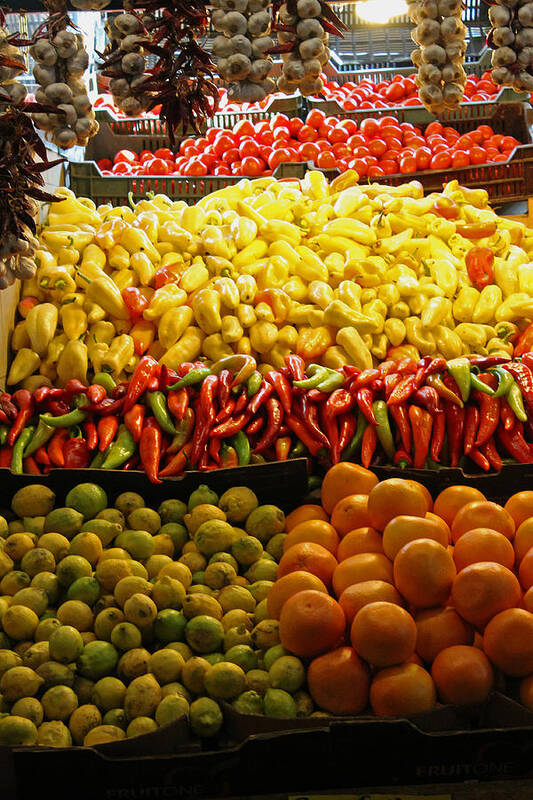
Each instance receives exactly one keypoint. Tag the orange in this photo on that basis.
(310, 623)
(338, 681)
(527, 600)
(483, 544)
(402, 690)
(508, 642)
(309, 557)
(361, 540)
(525, 571)
(344, 479)
(526, 692)
(452, 499)
(404, 529)
(523, 539)
(314, 530)
(482, 514)
(349, 513)
(360, 594)
(482, 590)
(383, 634)
(439, 628)
(520, 506)
(362, 567)
(393, 497)
(444, 525)
(423, 573)
(303, 514)
(290, 584)
(463, 675)
(425, 491)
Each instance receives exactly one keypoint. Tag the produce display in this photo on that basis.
(511, 37)
(374, 148)
(427, 414)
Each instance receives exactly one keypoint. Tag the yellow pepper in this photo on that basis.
(465, 303)
(263, 336)
(143, 335)
(340, 315)
(444, 273)
(420, 337)
(23, 365)
(321, 293)
(195, 277)
(31, 288)
(214, 242)
(525, 278)
(109, 232)
(73, 320)
(124, 213)
(244, 231)
(163, 248)
(352, 229)
(515, 307)
(349, 201)
(497, 347)
(276, 230)
(56, 278)
(274, 274)
(399, 310)
(244, 346)
(73, 362)
(335, 357)
(471, 334)
(315, 317)
(277, 355)
(231, 330)
(118, 257)
(135, 241)
(93, 255)
(148, 221)
(228, 291)
(380, 345)
(143, 267)
(278, 302)
(296, 289)
(20, 337)
(96, 352)
(167, 297)
(489, 300)
(173, 324)
(41, 324)
(124, 279)
(288, 336)
(56, 240)
(247, 288)
(206, 309)
(68, 256)
(394, 330)
(435, 310)
(103, 331)
(351, 341)
(246, 315)
(187, 348)
(214, 347)
(315, 185)
(94, 312)
(106, 294)
(250, 254)
(121, 349)
(313, 342)
(449, 343)
(309, 266)
(388, 294)
(193, 219)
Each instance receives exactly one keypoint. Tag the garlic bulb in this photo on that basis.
(124, 62)
(511, 38)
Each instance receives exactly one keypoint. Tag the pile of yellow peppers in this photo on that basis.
(338, 273)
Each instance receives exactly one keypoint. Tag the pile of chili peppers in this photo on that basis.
(426, 414)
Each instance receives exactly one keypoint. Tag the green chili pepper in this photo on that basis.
(121, 450)
(18, 450)
(253, 384)
(316, 373)
(106, 380)
(384, 430)
(185, 430)
(516, 402)
(432, 464)
(333, 380)
(242, 448)
(353, 447)
(43, 433)
(158, 403)
(257, 458)
(505, 381)
(314, 482)
(459, 369)
(99, 459)
(298, 450)
(4, 430)
(477, 383)
(194, 376)
(74, 417)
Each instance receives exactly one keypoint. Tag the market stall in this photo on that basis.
(266, 408)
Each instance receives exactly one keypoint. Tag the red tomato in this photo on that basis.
(391, 142)
(105, 163)
(477, 155)
(460, 159)
(476, 137)
(340, 150)
(295, 125)
(308, 151)
(207, 159)
(125, 156)
(222, 169)
(485, 131)
(122, 168)
(230, 156)
(212, 134)
(144, 153)
(388, 131)
(280, 156)
(338, 134)
(157, 167)
(369, 128)
(509, 143)
(326, 160)
(356, 140)
(279, 120)
(371, 161)
(389, 167)
(236, 168)
(502, 157)
(267, 137)
(376, 147)
(222, 143)
(423, 158)
(440, 148)
(412, 140)
(306, 134)
(359, 166)
(375, 172)
(323, 144)
(324, 130)
(243, 128)
(441, 160)
(434, 127)
(281, 133)
(186, 143)
(408, 164)
(252, 166)
(315, 118)
(261, 127)
(248, 148)
(191, 151)
(495, 141)
(349, 125)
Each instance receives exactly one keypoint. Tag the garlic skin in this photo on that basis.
(439, 59)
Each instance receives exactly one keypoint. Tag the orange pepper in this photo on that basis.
(403, 351)
(279, 301)
(313, 342)
(143, 335)
(26, 305)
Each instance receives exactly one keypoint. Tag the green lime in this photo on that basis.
(87, 498)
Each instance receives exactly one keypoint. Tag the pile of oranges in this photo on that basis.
(398, 602)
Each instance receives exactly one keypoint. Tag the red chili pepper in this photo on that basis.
(436, 382)
(4, 418)
(445, 207)
(225, 380)
(165, 275)
(296, 365)
(226, 412)
(489, 416)
(91, 435)
(347, 426)
(486, 362)
(391, 381)
(387, 368)
(364, 398)
(368, 446)
(524, 343)
(41, 457)
(136, 302)
(350, 371)
(479, 458)
(72, 388)
(30, 466)
(507, 417)
(133, 420)
(260, 398)
(402, 459)
(178, 463)
(406, 366)
(339, 402)
(231, 426)
(6, 454)
(282, 387)
(9, 409)
(205, 417)
(255, 426)
(150, 448)
(40, 395)
(428, 398)
(314, 396)
(107, 407)
(274, 420)
(403, 390)
(471, 426)
(147, 369)
(96, 393)
(401, 418)
(490, 452)
(58, 407)
(365, 378)
(242, 402)
(309, 414)
(228, 457)
(455, 423)
(178, 402)
(377, 386)
(107, 428)
(480, 266)
(25, 404)
(433, 366)
(301, 432)
(55, 447)
(514, 443)
(214, 449)
(437, 439)
(132, 463)
(524, 377)
(421, 423)
(477, 230)
(283, 448)
(76, 453)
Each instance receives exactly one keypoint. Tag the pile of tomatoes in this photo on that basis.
(375, 148)
(400, 91)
